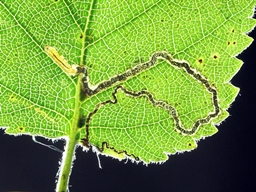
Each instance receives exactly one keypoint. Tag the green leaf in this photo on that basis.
(153, 76)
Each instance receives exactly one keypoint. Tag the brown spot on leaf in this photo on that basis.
(200, 61)
(85, 142)
(215, 57)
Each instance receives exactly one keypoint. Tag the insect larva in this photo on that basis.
(62, 63)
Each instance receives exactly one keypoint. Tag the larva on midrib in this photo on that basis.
(62, 63)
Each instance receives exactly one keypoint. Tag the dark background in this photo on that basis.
(223, 162)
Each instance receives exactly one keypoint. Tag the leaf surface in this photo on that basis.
(156, 74)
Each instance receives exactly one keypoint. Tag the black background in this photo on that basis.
(223, 162)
